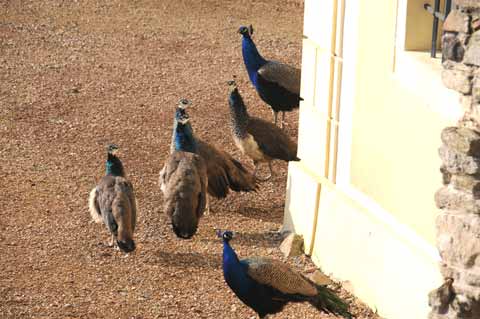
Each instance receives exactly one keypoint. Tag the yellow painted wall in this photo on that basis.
(396, 128)
(369, 131)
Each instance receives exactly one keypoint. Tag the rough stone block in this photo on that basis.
(449, 198)
(460, 275)
(446, 175)
(475, 24)
(440, 299)
(459, 163)
(292, 245)
(476, 88)
(468, 183)
(452, 48)
(462, 140)
(470, 120)
(458, 80)
(456, 21)
(466, 101)
(468, 4)
(472, 53)
(458, 240)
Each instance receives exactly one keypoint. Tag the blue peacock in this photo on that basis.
(267, 285)
(277, 84)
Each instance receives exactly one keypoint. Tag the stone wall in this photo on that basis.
(458, 223)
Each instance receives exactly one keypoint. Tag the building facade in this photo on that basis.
(369, 132)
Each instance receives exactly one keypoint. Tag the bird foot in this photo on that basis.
(264, 179)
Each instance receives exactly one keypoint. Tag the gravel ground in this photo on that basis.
(78, 74)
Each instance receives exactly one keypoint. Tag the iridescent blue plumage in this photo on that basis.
(266, 285)
(255, 295)
(252, 59)
(113, 165)
(277, 84)
(184, 139)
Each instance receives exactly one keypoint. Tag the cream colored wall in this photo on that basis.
(396, 128)
(369, 130)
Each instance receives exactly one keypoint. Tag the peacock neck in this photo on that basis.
(231, 263)
(114, 166)
(184, 139)
(252, 58)
(239, 114)
(235, 273)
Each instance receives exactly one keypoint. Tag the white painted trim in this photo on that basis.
(401, 25)
(348, 84)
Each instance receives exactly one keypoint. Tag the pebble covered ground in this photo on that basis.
(76, 75)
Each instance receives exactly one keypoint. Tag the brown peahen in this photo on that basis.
(112, 201)
(260, 140)
(224, 172)
(183, 181)
(267, 285)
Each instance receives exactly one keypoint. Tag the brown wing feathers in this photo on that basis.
(184, 180)
(279, 276)
(272, 140)
(184, 183)
(224, 172)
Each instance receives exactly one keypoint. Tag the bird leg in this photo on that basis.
(274, 116)
(262, 179)
(111, 243)
(207, 207)
(271, 170)
(283, 119)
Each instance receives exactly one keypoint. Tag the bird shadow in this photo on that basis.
(270, 239)
(186, 260)
(266, 239)
(271, 214)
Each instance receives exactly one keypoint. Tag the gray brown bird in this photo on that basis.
(260, 140)
(112, 202)
(267, 285)
(183, 181)
(224, 172)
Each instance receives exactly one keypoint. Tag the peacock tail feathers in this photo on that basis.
(328, 301)
(93, 206)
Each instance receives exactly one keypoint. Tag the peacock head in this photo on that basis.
(184, 103)
(232, 85)
(246, 31)
(226, 235)
(113, 165)
(112, 149)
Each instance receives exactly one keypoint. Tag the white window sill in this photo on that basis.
(422, 75)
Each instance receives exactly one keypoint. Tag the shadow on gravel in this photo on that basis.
(269, 239)
(273, 214)
(186, 260)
